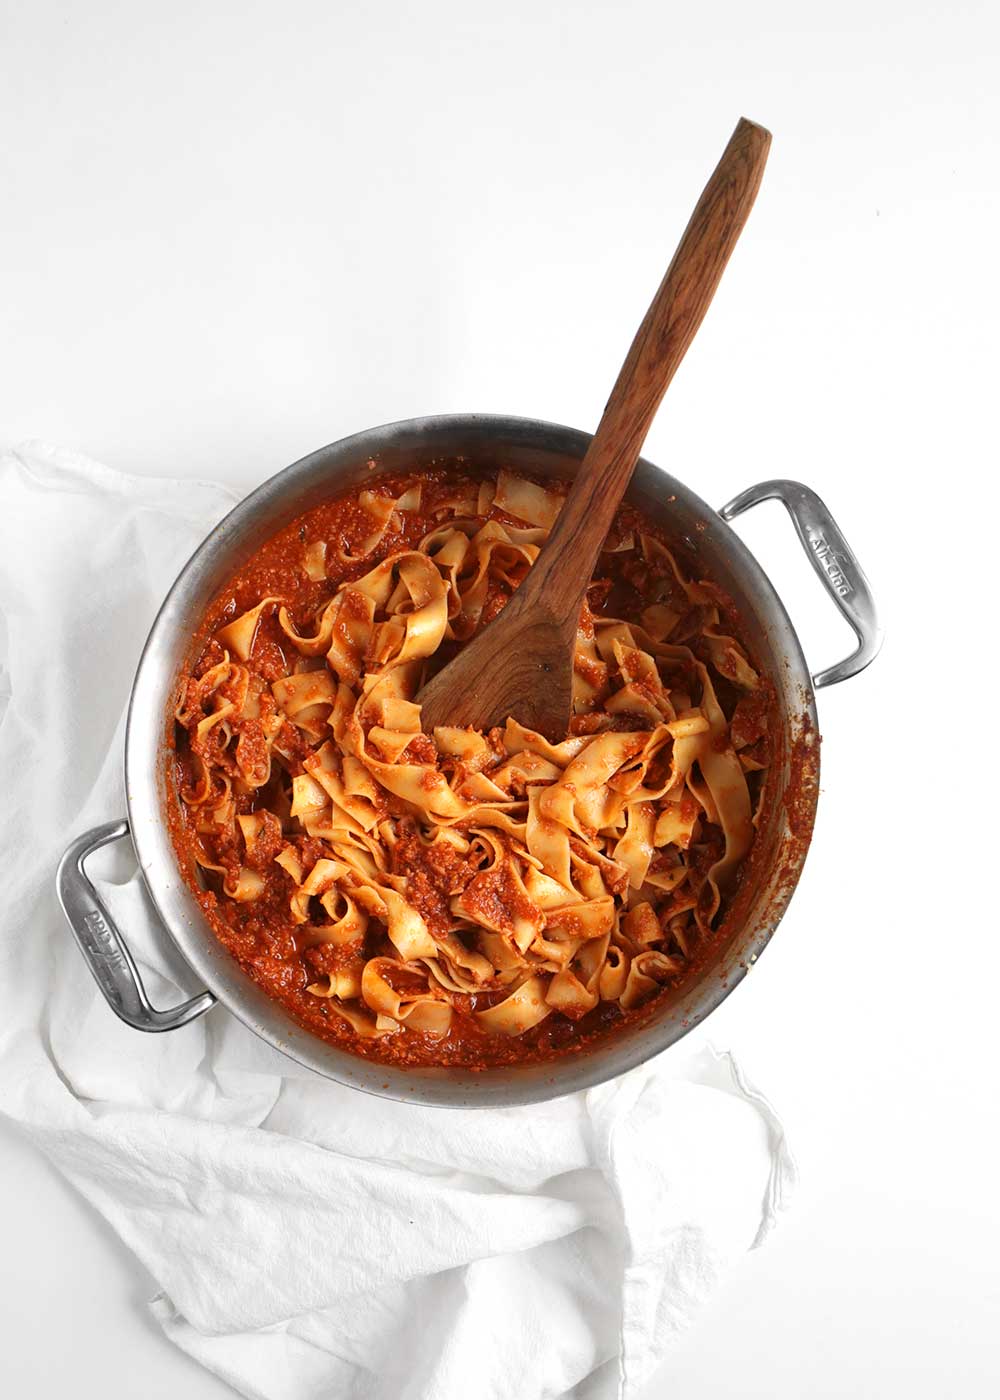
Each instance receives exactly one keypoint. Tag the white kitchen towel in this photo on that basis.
(310, 1241)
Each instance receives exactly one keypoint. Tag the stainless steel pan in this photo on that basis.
(547, 450)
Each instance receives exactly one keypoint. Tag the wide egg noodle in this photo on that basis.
(581, 872)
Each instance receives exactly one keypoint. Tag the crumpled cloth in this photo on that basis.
(308, 1240)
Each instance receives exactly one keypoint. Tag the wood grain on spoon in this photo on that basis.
(521, 664)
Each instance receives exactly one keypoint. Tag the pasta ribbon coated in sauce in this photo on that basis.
(462, 897)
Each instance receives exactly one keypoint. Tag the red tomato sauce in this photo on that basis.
(260, 934)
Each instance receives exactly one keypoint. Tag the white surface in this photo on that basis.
(233, 233)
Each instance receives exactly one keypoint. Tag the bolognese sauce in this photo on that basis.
(462, 898)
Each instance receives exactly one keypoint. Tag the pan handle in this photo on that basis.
(103, 947)
(832, 558)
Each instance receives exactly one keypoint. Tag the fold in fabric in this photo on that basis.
(307, 1240)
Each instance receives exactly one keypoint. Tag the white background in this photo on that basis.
(231, 233)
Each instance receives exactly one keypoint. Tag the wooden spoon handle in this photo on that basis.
(559, 577)
(521, 663)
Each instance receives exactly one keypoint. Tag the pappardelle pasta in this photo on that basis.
(461, 897)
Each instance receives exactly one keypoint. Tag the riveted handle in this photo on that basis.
(834, 561)
(105, 951)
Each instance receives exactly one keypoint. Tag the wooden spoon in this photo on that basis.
(521, 664)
